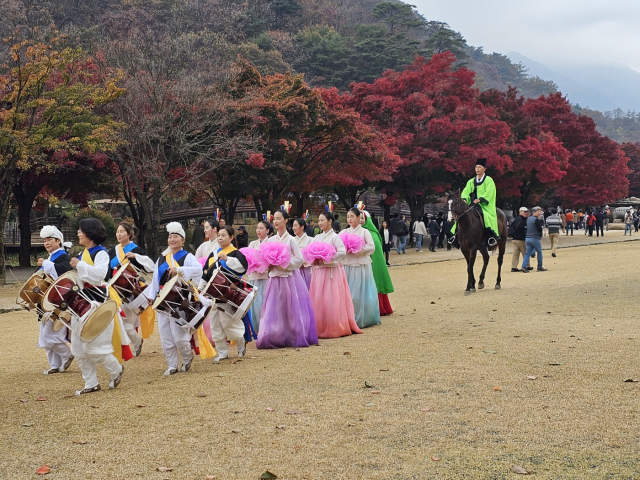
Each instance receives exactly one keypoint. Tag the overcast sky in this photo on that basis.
(547, 31)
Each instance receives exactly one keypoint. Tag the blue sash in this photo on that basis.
(115, 261)
(54, 257)
(93, 251)
(165, 266)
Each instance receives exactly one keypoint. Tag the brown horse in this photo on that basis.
(470, 234)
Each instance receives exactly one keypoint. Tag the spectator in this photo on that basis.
(569, 217)
(599, 222)
(198, 234)
(554, 223)
(606, 212)
(222, 222)
(310, 231)
(392, 226)
(534, 239)
(401, 232)
(636, 219)
(563, 217)
(628, 222)
(446, 226)
(591, 223)
(419, 230)
(580, 220)
(387, 240)
(518, 232)
(242, 238)
(434, 232)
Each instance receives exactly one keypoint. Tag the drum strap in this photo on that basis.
(120, 254)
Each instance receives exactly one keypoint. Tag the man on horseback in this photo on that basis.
(481, 191)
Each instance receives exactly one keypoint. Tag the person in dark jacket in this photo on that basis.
(600, 215)
(518, 229)
(440, 221)
(533, 240)
(242, 238)
(434, 232)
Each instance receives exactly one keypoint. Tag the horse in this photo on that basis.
(470, 236)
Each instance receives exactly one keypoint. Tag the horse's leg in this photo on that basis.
(471, 279)
(465, 252)
(485, 258)
(501, 248)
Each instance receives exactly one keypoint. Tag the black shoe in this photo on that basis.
(515, 270)
(542, 269)
(553, 255)
(524, 270)
(529, 268)
(388, 264)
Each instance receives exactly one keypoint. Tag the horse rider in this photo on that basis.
(480, 190)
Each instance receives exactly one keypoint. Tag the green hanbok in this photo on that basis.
(485, 191)
(380, 270)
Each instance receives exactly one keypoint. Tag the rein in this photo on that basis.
(473, 205)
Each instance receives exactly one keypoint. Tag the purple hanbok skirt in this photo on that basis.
(306, 275)
(287, 318)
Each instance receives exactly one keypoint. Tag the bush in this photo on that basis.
(106, 219)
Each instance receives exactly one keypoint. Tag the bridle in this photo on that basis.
(457, 217)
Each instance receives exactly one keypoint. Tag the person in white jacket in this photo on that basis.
(357, 266)
(53, 342)
(92, 267)
(174, 261)
(420, 231)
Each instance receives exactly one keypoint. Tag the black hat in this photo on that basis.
(482, 162)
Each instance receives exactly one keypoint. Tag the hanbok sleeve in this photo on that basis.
(152, 290)
(369, 247)
(341, 251)
(191, 270)
(96, 273)
(296, 255)
(142, 261)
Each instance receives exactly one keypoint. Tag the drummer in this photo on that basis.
(211, 227)
(92, 266)
(223, 326)
(174, 261)
(54, 342)
(126, 248)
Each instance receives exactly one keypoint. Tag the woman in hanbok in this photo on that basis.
(287, 318)
(92, 267)
(211, 227)
(127, 249)
(360, 275)
(54, 342)
(223, 325)
(379, 267)
(329, 290)
(299, 227)
(174, 260)
(259, 280)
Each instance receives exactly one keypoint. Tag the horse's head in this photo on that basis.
(457, 205)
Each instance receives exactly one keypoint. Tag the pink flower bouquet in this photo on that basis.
(276, 254)
(318, 251)
(254, 260)
(352, 242)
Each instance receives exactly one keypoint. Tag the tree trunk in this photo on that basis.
(4, 214)
(387, 213)
(25, 194)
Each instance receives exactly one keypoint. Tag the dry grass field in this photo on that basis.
(532, 375)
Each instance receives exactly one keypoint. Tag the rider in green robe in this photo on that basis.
(482, 191)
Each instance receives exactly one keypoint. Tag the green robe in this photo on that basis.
(486, 193)
(378, 263)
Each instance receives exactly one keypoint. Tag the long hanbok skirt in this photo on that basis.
(287, 318)
(364, 295)
(385, 305)
(332, 303)
(306, 275)
(258, 301)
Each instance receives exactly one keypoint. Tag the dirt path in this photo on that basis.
(452, 374)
